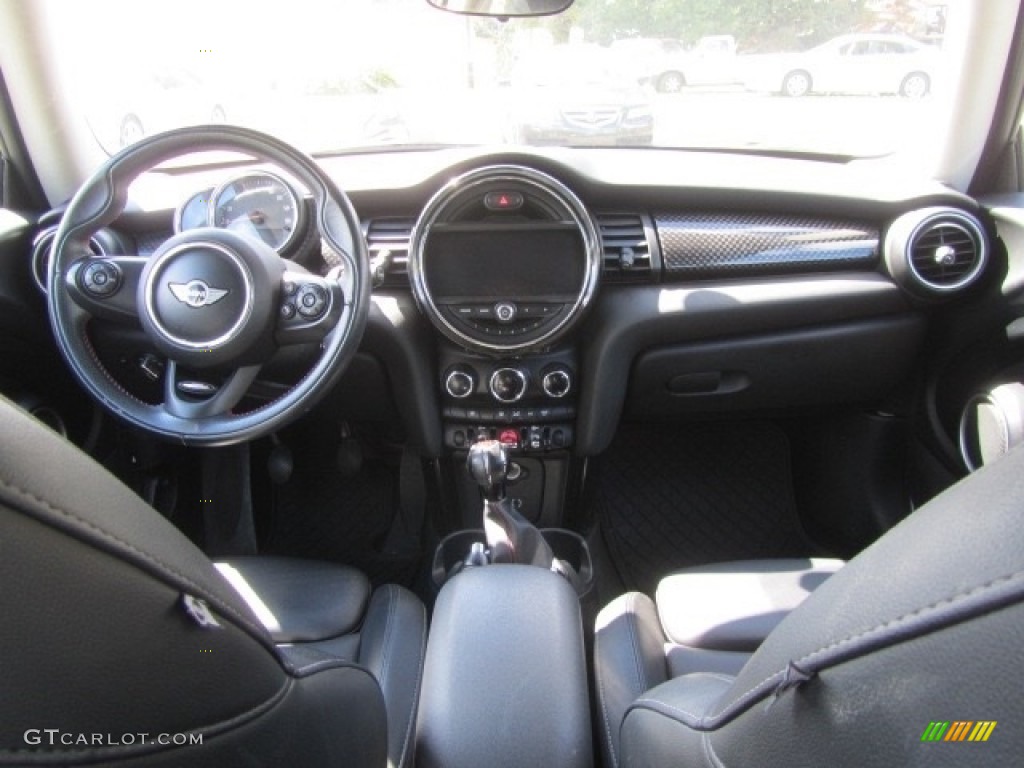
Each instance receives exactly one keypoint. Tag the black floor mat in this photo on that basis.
(671, 497)
(322, 515)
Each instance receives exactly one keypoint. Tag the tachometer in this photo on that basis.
(194, 212)
(260, 205)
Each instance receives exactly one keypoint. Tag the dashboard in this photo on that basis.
(538, 297)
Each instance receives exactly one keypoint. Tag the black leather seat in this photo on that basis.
(123, 639)
(924, 626)
(709, 618)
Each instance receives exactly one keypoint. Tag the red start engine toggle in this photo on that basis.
(509, 437)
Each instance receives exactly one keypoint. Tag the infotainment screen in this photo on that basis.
(504, 263)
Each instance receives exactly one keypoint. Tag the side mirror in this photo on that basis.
(502, 8)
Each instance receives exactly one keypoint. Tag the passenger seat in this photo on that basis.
(709, 618)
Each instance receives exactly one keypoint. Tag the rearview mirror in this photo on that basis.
(502, 8)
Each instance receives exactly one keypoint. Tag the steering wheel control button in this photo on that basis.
(503, 200)
(311, 301)
(557, 381)
(287, 311)
(101, 279)
(460, 382)
(289, 288)
(505, 311)
(508, 385)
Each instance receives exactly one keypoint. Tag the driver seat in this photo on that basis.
(122, 643)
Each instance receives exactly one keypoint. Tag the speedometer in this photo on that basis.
(260, 205)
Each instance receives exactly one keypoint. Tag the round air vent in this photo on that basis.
(41, 247)
(991, 425)
(936, 251)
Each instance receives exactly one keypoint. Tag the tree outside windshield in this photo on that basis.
(842, 77)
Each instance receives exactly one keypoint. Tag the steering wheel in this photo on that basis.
(208, 299)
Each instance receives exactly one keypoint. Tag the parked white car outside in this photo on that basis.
(855, 63)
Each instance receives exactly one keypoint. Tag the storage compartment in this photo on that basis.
(845, 363)
(567, 545)
(570, 547)
(453, 550)
(505, 679)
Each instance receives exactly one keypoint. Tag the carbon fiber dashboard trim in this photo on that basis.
(725, 244)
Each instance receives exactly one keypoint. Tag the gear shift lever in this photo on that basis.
(511, 538)
(488, 465)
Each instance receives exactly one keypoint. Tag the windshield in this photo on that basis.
(833, 77)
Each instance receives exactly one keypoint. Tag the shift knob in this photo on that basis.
(488, 465)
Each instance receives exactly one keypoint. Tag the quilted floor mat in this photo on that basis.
(668, 497)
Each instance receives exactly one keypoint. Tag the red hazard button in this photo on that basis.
(509, 437)
(503, 201)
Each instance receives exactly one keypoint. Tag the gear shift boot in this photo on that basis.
(511, 538)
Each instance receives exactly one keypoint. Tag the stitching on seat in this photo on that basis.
(709, 751)
(224, 607)
(655, 705)
(641, 673)
(137, 750)
(416, 695)
(720, 676)
(386, 651)
(949, 600)
(315, 666)
(385, 654)
(602, 701)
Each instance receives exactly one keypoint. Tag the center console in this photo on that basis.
(528, 405)
(505, 676)
(504, 261)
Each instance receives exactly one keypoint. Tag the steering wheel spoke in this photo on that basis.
(310, 307)
(190, 398)
(106, 286)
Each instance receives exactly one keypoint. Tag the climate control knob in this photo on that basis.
(508, 385)
(460, 381)
(556, 381)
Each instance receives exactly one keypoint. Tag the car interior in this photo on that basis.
(477, 453)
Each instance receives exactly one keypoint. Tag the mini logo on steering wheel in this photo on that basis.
(196, 293)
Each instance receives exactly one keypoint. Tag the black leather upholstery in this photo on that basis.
(325, 611)
(734, 606)
(506, 677)
(924, 625)
(113, 624)
(278, 590)
(708, 618)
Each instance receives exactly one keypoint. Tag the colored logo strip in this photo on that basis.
(958, 730)
(982, 730)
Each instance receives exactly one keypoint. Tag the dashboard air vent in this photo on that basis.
(41, 247)
(391, 235)
(628, 254)
(936, 251)
(944, 254)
